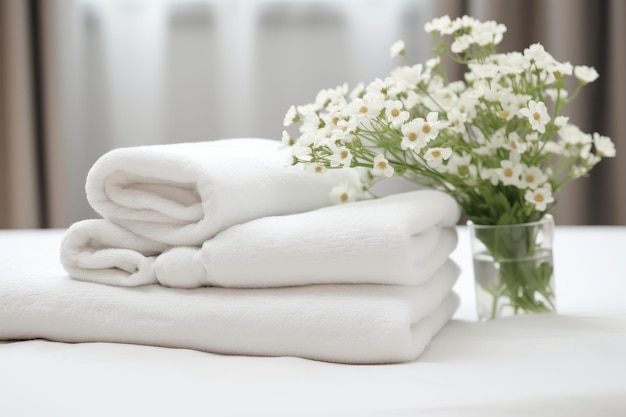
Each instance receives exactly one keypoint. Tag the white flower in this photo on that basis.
(408, 76)
(540, 197)
(537, 114)
(514, 143)
(443, 25)
(395, 113)
(457, 120)
(575, 141)
(488, 33)
(377, 86)
(585, 74)
(509, 172)
(560, 121)
(411, 135)
(604, 146)
(537, 55)
(290, 116)
(301, 152)
(315, 168)
(532, 177)
(332, 96)
(358, 91)
(369, 106)
(286, 140)
(381, 167)
(397, 48)
(561, 68)
(436, 156)
(461, 165)
(341, 157)
(461, 44)
(344, 193)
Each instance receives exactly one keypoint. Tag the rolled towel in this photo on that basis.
(183, 194)
(400, 239)
(337, 323)
(100, 251)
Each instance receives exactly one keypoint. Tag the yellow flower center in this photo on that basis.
(412, 136)
(363, 109)
(530, 178)
(344, 154)
(538, 198)
(344, 197)
(426, 128)
(335, 120)
(508, 172)
(436, 154)
(318, 169)
(382, 165)
(395, 112)
(504, 114)
(536, 116)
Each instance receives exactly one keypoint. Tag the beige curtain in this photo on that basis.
(19, 189)
(31, 195)
(589, 32)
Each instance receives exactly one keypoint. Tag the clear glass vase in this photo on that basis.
(513, 268)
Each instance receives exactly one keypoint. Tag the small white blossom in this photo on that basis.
(560, 121)
(514, 143)
(341, 157)
(537, 56)
(344, 193)
(460, 165)
(457, 120)
(381, 167)
(537, 114)
(396, 115)
(315, 168)
(604, 146)
(397, 48)
(585, 74)
(290, 116)
(443, 25)
(301, 152)
(412, 137)
(532, 177)
(358, 91)
(435, 156)
(285, 140)
(461, 44)
(540, 197)
(509, 173)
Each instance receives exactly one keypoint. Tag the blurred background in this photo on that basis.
(81, 77)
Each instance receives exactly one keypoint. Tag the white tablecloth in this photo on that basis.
(569, 364)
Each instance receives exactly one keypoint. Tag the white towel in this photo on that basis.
(400, 239)
(100, 251)
(337, 323)
(183, 194)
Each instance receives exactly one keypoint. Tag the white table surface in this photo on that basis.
(569, 364)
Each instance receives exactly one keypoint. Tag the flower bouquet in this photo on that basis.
(496, 141)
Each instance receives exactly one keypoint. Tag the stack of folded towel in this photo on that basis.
(255, 259)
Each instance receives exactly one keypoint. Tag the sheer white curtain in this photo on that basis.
(137, 72)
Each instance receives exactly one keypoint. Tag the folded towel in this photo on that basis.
(103, 252)
(183, 194)
(337, 323)
(400, 239)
